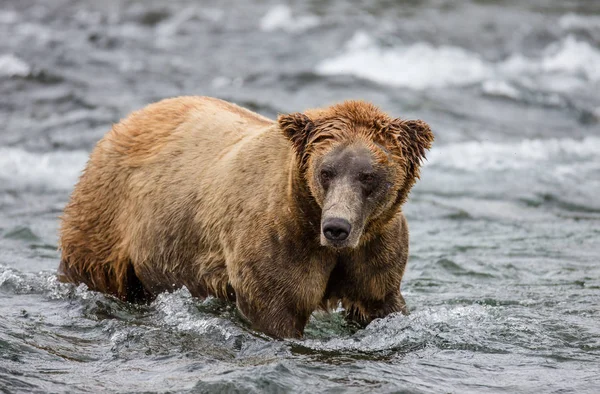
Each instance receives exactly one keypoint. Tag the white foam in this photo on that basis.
(564, 65)
(417, 66)
(419, 327)
(484, 155)
(37, 282)
(569, 57)
(500, 88)
(280, 18)
(178, 310)
(222, 81)
(12, 66)
(572, 21)
(53, 170)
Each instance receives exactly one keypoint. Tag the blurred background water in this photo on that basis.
(504, 276)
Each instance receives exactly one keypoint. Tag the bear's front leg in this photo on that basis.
(274, 316)
(278, 295)
(365, 311)
(368, 279)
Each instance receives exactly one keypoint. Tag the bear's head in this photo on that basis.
(359, 165)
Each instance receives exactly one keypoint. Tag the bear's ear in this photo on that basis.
(297, 127)
(414, 137)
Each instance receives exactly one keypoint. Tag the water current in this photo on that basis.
(503, 282)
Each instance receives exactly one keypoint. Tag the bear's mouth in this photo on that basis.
(334, 244)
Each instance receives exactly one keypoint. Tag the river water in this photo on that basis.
(503, 280)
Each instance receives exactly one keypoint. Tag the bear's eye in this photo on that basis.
(369, 182)
(367, 178)
(326, 176)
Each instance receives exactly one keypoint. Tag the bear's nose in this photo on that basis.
(336, 229)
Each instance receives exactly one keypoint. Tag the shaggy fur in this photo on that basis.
(198, 192)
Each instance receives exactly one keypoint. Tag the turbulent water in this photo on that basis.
(504, 277)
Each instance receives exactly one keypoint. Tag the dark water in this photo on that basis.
(504, 276)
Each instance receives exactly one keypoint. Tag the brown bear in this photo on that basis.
(282, 217)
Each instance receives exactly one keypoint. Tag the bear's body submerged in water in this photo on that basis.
(281, 217)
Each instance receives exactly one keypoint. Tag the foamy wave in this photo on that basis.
(280, 18)
(569, 57)
(577, 22)
(42, 282)
(178, 310)
(418, 66)
(565, 64)
(53, 170)
(397, 331)
(12, 66)
(477, 156)
(500, 88)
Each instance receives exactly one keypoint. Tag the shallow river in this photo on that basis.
(503, 280)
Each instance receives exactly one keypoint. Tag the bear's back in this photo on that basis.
(178, 123)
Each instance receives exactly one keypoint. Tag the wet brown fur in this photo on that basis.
(199, 192)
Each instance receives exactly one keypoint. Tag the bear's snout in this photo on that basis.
(336, 229)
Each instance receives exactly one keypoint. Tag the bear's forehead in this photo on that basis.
(348, 131)
(353, 158)
(356, 112)
(349, 154)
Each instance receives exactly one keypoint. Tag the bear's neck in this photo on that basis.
(304, 211)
